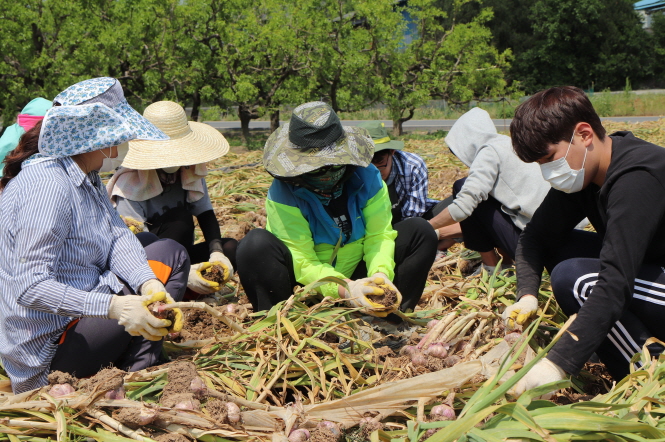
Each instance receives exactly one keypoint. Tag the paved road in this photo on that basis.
(420, 125)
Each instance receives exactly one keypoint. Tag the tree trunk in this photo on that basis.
(196, 105)
(333, 93)
(274, 121)
(398, 122)
(397, 127)
(245, 117)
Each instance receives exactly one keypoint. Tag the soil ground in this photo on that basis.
(201, 325)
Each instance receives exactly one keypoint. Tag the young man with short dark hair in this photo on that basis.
(612, 279)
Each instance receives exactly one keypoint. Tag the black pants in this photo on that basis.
(265, 265)
(95, 343)
(178, 224)
(643, 316)
(488, 226)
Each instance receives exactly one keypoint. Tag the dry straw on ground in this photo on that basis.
(311, 359)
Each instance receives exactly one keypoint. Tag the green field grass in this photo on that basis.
(606, 104)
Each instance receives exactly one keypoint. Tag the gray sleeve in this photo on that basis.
(483, 174)
(133, 209)
(203, 205)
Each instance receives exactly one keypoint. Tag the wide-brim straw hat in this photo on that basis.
(379, 134)
(190, 142)
(315, 138)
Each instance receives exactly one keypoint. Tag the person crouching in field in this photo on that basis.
(75, 282)
(162, 187)
(498, 197)
(328, 214)
(614, 279)
(405, 174)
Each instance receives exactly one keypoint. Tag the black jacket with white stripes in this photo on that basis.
(628, 212)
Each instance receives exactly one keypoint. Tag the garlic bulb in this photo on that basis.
(442, 413)
(59, 390)
(300, 435)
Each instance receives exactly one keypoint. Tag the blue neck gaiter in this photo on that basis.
(325, 185)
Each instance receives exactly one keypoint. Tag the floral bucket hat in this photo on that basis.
(108, 91)
(72, 130)
(315, 138)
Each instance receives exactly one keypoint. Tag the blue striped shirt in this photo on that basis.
(410, 174)
(61, 246)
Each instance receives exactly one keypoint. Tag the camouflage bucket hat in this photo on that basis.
(315, 138)
(379, 134)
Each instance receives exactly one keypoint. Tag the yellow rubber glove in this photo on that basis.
(133, 224)
(361, 291)
(154, 287)
(220, 259)
(131, 312)
(518, 313)
(197, 283)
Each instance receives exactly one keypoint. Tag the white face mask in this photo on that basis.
(110, 164)
(561, 176)
(173, 169)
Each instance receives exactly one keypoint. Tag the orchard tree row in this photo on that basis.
(257, 56)
(252, 55)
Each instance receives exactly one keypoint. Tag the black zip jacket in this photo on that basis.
(628, 214)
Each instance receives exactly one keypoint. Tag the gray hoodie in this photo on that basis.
(494, 169)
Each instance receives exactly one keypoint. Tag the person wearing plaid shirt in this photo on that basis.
(405, 174)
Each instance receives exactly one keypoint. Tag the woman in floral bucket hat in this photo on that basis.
(328, 214)
(75, 282)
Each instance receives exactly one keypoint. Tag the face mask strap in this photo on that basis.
(584, 160)
(586, 151)
(570, 144)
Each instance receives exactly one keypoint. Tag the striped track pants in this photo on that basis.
(642, 318)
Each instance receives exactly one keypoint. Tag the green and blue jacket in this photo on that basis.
(296, 216)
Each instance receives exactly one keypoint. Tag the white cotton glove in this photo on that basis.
(197, 283)
(362, 290)
(153, 287)
(544, 372)
(520, 312)
(220, 259)
(131, 312)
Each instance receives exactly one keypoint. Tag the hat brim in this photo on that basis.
(143, 128)
(284, 159)
(392, 144)
(201, 145)
(71, 130)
